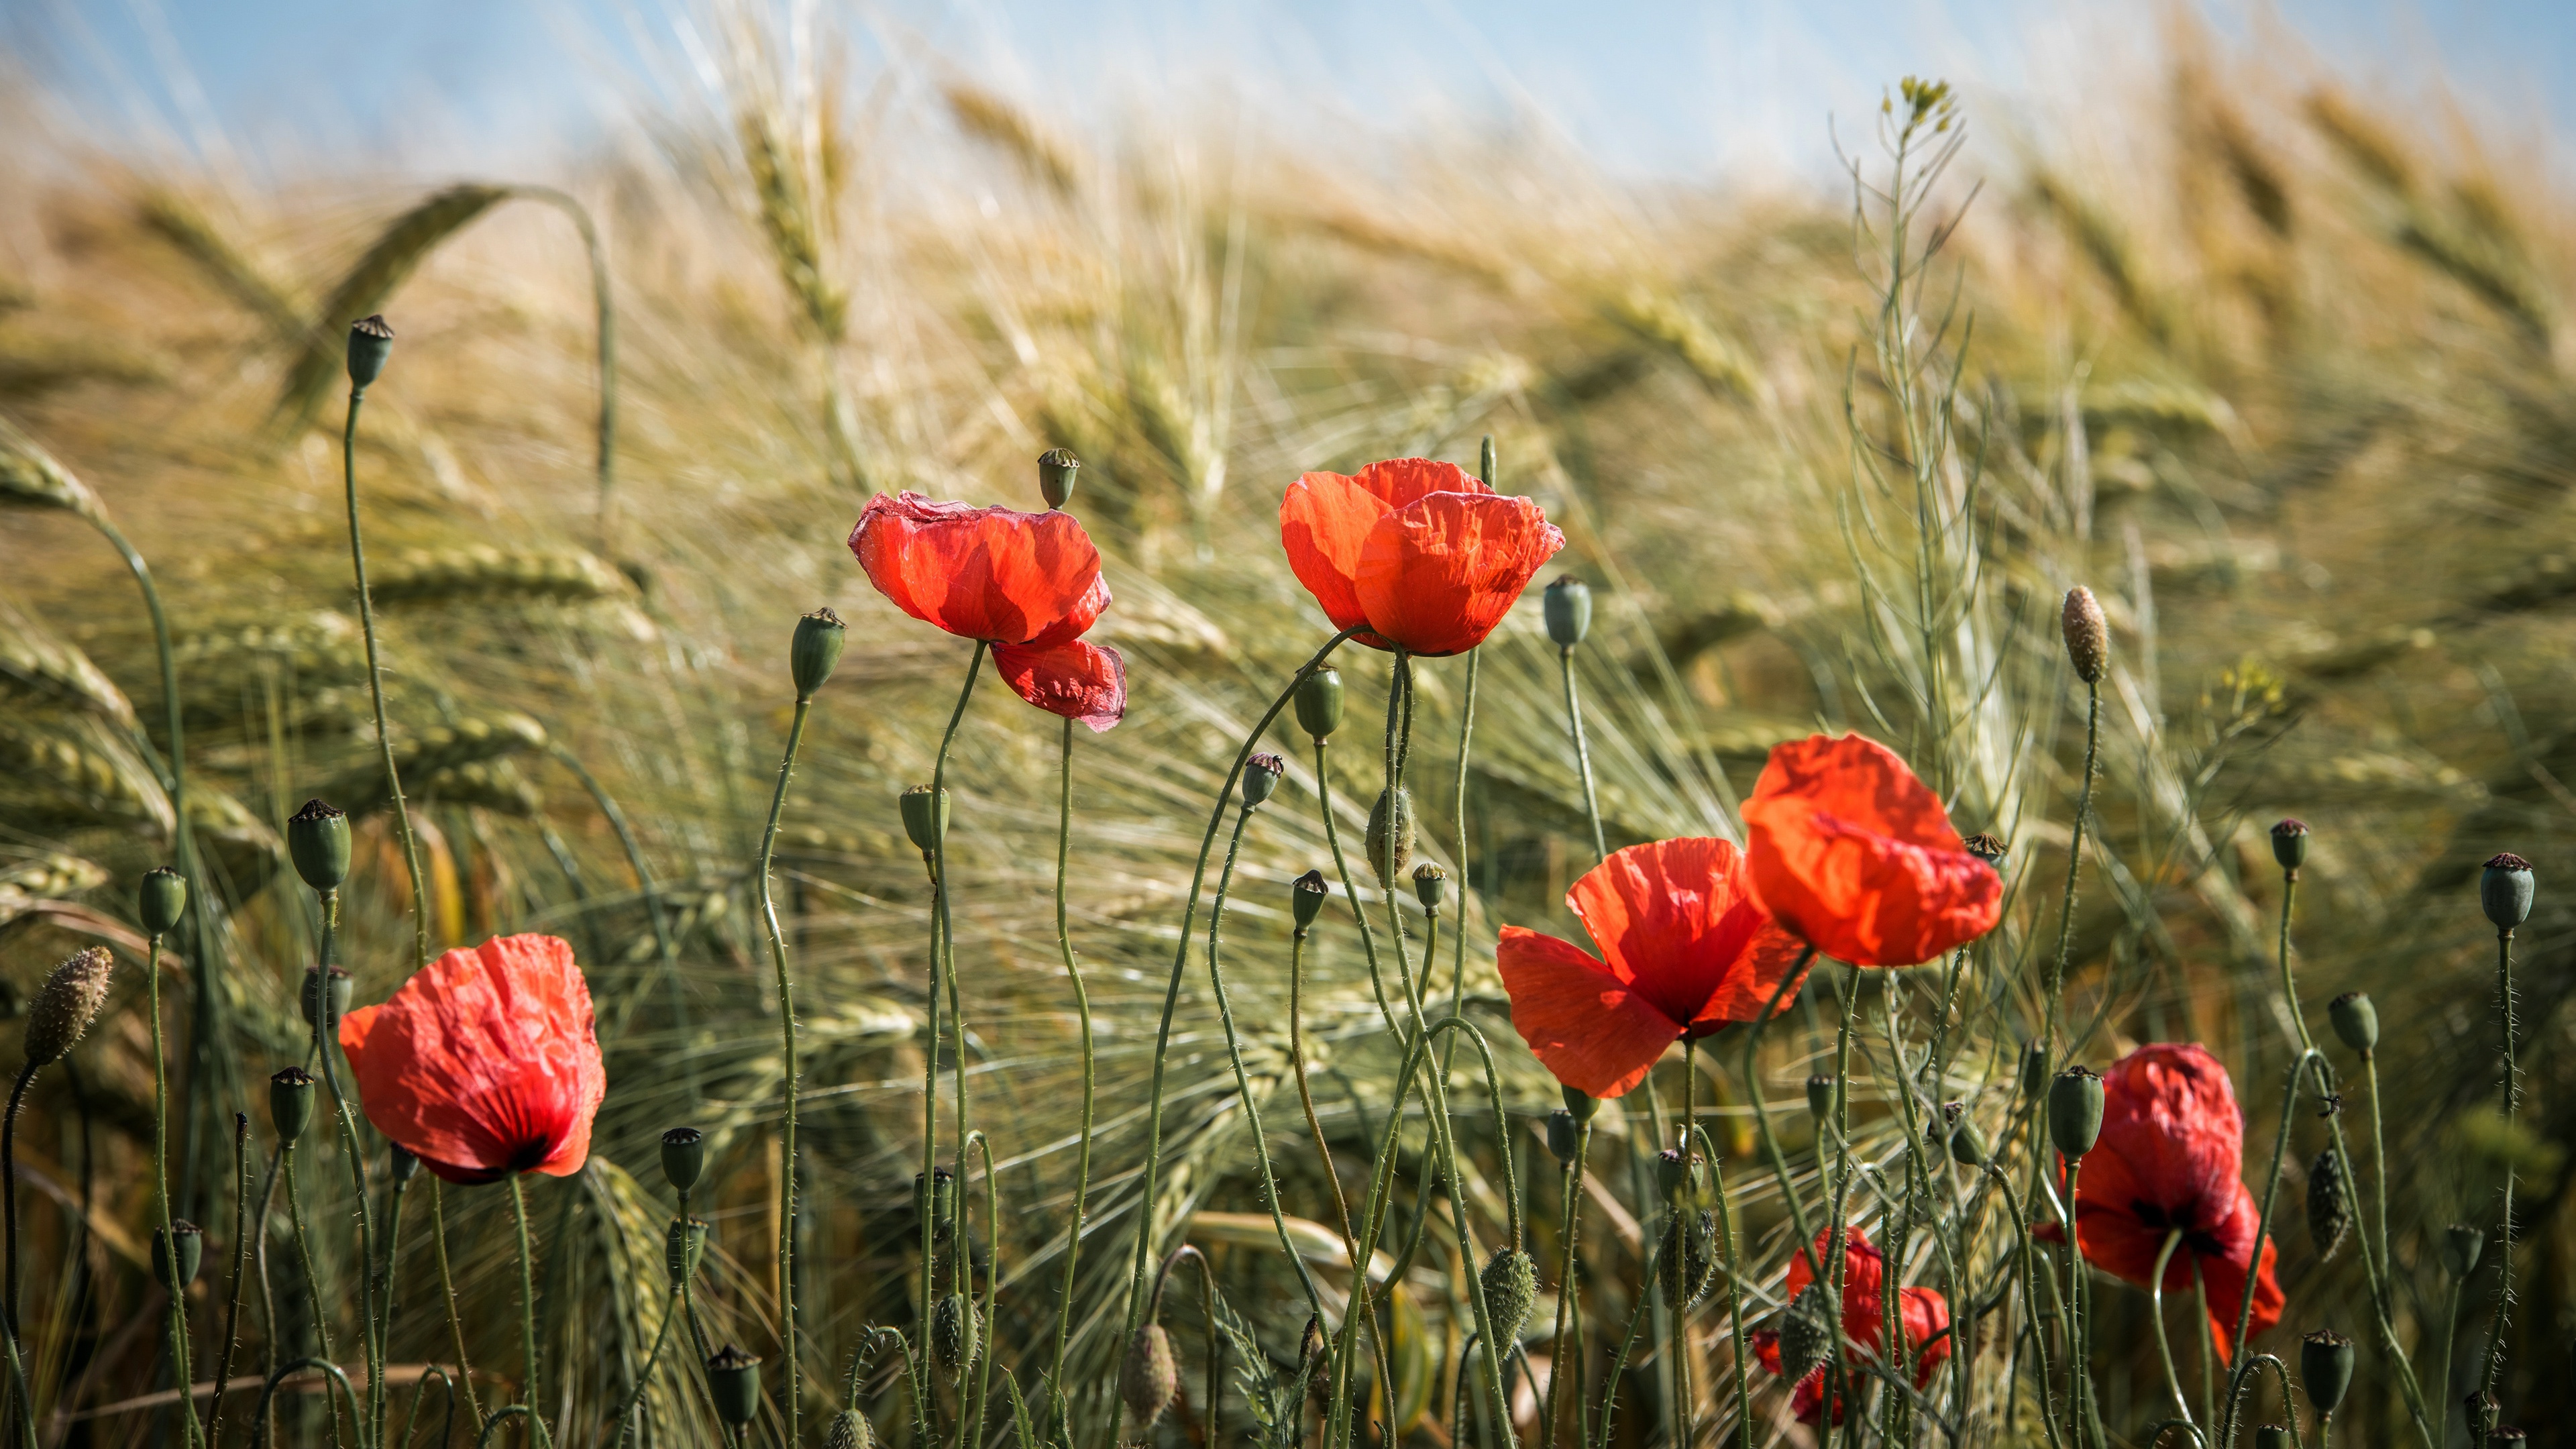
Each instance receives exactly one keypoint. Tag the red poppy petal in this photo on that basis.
(1439, 573)
(2171, 1124)
(1849, 851)
(1598, 1036)
(1926, 1313)
(1079, 681)
(981, 573)
(1323, 520)
(2224, 1275)
(1676, 919)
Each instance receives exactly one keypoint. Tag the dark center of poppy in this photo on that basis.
(2200, 1240)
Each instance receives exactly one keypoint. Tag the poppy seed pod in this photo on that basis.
(370, 343)
(2329, 1206)
(290, 1104)
(1967, 1144)
(67, 1003)
(1261, 776)
(1306, 895)
(317, 839)
(2034, 1069)
(1672, 1174)
(1149, 1378)
(406, 1164)
(1567, 607)
(1581, 1103)
(2461, 1246)
(918, 825)
(2505, 1434)
(2355, 1020)
(2075, 1111)
(684, 1157)
(191, 1245)
(2325, 1368)
(1805, 1335)
(1379, 841)
(1431, 887)
(1510, 1282)
(2290, 846)
(161, 900)
(1820, 1099)
(1988, 848)
(2088, 634)
(1564, 1136)
(2504, 891)
(849, 1431)
(2272, 1436)
(343, 989)
(1319, 702)
(733, 1385)
(684, 1243)
(815, 649)
(1056, 470)
(952, 1333)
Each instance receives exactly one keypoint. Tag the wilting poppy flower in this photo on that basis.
(1416, 554)
(1923, 1310)
(2171, 1155)
(1854, 855)
(485, 1063)
(1688, 953)
(1028, 584)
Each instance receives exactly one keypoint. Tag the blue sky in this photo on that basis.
(1647, 87)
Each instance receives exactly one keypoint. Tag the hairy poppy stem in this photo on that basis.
(1306, 1093)
(1582, 751)
(531, 1363)
(313, 1286)
(9, 1185)
(2078, 1342)
(1082, 1006)
(2504, 1225)
(1677, 1305)
(447, 1291)
(326, 1046)
(2075, 866)
(1734, 1293)
(2156, 1300)
(786, 985)
(376, 691)
(168, 1246)
(2027, 1262)
(243, 1229)
(941, 947)
(1771, 1141)
(1568, 1311)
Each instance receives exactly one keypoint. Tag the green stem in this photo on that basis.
(326, 1046)
(936, 860)
(786, 986)
(9, 1189)
(1734, 1295)
(313, 1286)
(1082, 1005)
(2504, 1226)
(2078, 1343)
(244, 1229)
(447, 1292)
(1582, 751)
(25, 1396)
(376, 691)
(169, 1245)
(530, 1361)
(1569, 1220)
(2164, 1348)
(2075, 865)
(385, 1300)
(1306, 1093)
(2450, 1339)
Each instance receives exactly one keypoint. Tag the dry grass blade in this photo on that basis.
(397, 252)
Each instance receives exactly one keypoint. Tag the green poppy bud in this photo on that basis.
(684, 1245)
(953, 1329)
(1988, 848)
(1261, 776)
(2075, 1111)
(2034, 1069)
(370, 343)
(1056, 469)
(317, 840)
(2329, 1205)
(2504, 891)
(2355, 1020)
(161, 900)
(406, 1164)
(918, 823)
(290, 1103)
(342, 991)
(1149, 1378)
(1510, 1283)
(1566, 605)
(2460, 1246)
(1382, 837)
(2504, 1436)
(2272, 1436)
(1688, 1265)
(2088, 634)
(1967, 1144)
(2325, 1369)
(1564, 1135)
(1582, 1104)
(815, 649)
(1820, 1100)
(1319, 703)
(849, 1431)
(2290, 846)
(1306, 896)
(1431, 887)
(191, 1250)
(1805, 1335)
(684, 1157)
(733, 1385)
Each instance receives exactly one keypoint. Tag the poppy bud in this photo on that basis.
(1582, 1104)
(684, 1243)
(1306, 899)
(2271, 1436)
(1567, 607)
(684, 1157)
(2075, 1111)
(1056, 467)
(370, 343)
(940, 1202)
(952, 1333)
(406, 1164)
(1260, 778)
(849, 1431)
(2506, 1434)
(733, 1385)
(918, 826)
(1378, 840)
(2088, 634)
(1564, 1135)
(1510, 1281)
(1804, 1334)
(161, 900)
(1319, 702)
(2504, 891)
(2325, 1368)
(66, 1004)
(2355, 1020)
(191, 1244)
(2461, 1246)
(342, 988)
(1149, 1378)
(2034, 1069)
(815, 649)
(1689, 1265)
(2329, 1208)
(2290, 846)
(1967, 1144)
(1988, 848)
(1431, 887)
(290, 1104)
(317, 840)
(1820, 1100)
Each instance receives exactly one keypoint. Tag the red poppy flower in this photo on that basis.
(1416, 554)
(1855, 856)
(1923, 1310)
(1688, 953)
(485, 1063)
(2171, 1155)
(1026, 583)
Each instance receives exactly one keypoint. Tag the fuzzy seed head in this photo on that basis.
(1689, 1265)
(66, 1004)
(952, 1333)
(1510, 1281)
(1382, 835)
(1150, 1378)
(2329, 1206)
(849, 1431)
(1805, 1336)
(2088, 634)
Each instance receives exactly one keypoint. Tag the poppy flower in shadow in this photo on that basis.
(1854, 855)
(1687, 952)
(1924, 1312)
(1416, 554)
(485, 1062)
(1028, 584)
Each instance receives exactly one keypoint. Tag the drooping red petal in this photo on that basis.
(1437, 574)
(1676, 919)
(1086, 682)
(485, 1062)
(1926, 1313)
(2223, 1273)
(1864, 1281)
(1587, 1026)
(994, 574)
(1325, 519)
(1849, 851)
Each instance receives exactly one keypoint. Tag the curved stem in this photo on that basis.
(1082, 1006)
(532, 1363)
(1582, 751)
(268, 1391)
(2271, 1190)
(664, 947)
(2156, 1297)
(244, 1229)
(376, 691)
(644, 1380)
(1306, 1092)
(786, 988)
(169, 1244)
